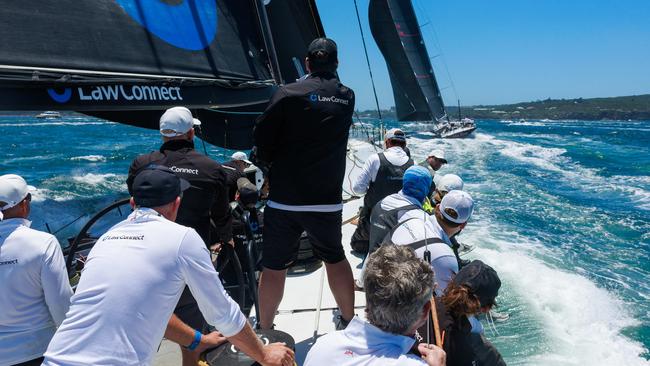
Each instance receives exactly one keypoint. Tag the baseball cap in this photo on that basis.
(416, 182)
(395, 134)
(459, 202)
(157, 185)
(322, 51)
(240, 155)
(438, 153)
(13, 189)
(449, 182)
(482, 280)
(177, 121)
(248, 193)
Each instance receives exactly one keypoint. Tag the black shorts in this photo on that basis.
(188, 311)
(282, 230)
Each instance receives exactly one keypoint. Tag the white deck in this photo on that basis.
(302, 291)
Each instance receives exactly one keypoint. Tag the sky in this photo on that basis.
(507, 51)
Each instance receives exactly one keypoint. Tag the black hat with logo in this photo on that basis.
(481, 279)
(157, 185)
(322, 51)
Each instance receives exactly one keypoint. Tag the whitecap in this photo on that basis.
(93, 158)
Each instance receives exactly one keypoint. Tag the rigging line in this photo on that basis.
(437, 43)
(68, 224)
(365, 50)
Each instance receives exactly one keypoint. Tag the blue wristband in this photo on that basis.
(196, 341)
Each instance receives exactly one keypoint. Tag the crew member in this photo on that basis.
(34, 288)
(472, 291)
(133, 277)
(433, 162)
(398, 292)
(381, 176)
(234, 169)
(301, 139)
(430, 236)
(206, 201)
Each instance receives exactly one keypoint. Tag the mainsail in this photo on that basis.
(127, 60)
(395, 28)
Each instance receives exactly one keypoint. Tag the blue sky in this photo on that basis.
(507, 51)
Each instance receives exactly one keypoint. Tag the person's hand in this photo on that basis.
(432, 354)
(231, 242)
(278, 354)
(211, 340)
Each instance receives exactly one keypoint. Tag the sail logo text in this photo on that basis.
(318, 98)
(134, 92)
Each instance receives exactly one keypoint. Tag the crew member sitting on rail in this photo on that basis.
(399, 287)
(134, 276)
(34, 288)
(204, 202)
(381, 176)
(472, 291)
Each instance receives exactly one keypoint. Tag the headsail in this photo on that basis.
(292, 37)
(127, 60)
(395, 28)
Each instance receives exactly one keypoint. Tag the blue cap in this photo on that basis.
(157, 185)
(417, 182)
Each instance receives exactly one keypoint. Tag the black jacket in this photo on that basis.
(463, 347)
(206, 199)
(303, 135)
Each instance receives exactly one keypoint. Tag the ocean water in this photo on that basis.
(563, 214)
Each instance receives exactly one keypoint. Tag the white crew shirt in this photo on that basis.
(34, 290)
(421, 225)
(131, 282)
(395, 155)
(361, 343)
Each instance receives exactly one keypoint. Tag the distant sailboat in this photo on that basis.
(396, 30)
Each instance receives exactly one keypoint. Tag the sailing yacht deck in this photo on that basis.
(298, 314)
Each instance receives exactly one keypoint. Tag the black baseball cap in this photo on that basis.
(322, 51)
(481, 279)
(157, 185)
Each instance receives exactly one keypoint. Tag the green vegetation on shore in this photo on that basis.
(636, 107)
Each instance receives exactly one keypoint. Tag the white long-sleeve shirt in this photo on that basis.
(362, 344)
(395, 155)
(34, 291)
(131, 283)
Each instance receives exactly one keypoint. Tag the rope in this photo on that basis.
(365, 50)
(68, 224)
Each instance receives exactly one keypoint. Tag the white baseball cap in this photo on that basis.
(395, 134)
(241, 156)
(438, 153)
(177, 121)
(13, 189)
(449, 182)
(459, 202)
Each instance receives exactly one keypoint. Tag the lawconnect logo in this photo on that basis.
(319, 98)
(188, 24)
(118, 92)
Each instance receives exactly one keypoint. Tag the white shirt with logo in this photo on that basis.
(131, 283)
(34, 290)
(362, 344)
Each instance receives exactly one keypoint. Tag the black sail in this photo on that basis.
(292, 37)
(395, 28)
(129, 60)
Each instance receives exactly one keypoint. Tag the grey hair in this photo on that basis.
(397, 285)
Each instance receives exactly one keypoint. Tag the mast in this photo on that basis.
(268, 41)
(459, 116)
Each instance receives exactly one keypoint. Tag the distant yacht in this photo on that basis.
(49, 114)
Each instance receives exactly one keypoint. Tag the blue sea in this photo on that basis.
(563, 214)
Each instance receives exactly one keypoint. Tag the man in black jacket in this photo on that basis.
(302, 138)
(205, 201)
